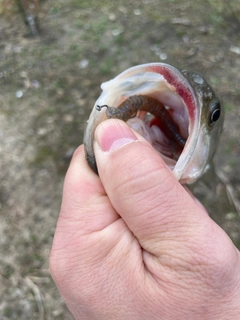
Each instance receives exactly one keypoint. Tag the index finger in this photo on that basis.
(85, 205)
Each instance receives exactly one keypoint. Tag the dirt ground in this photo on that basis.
(48, 86)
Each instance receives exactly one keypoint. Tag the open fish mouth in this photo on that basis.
(165, 106)
(157, 104)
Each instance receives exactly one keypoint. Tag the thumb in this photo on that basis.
(145, 193)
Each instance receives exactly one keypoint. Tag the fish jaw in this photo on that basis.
(173, 89)
(193, 161)
(206, 136)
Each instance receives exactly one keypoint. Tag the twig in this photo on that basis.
(230, 190)
(37, 295)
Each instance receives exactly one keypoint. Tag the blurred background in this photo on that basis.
(53, 57)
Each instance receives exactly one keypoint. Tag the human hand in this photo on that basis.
(132, 243)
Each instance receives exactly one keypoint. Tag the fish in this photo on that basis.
(177, 112)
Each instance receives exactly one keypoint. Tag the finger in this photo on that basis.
(144, 191)
(85, 211)
(85, 205)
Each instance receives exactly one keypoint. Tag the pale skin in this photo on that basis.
(133, 244)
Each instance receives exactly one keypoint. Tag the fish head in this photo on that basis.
(191, 103)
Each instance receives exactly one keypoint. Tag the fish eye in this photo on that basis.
(215, 112)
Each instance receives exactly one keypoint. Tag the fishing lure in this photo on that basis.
(130, 107)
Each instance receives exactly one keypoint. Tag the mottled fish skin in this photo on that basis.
(187, 96)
